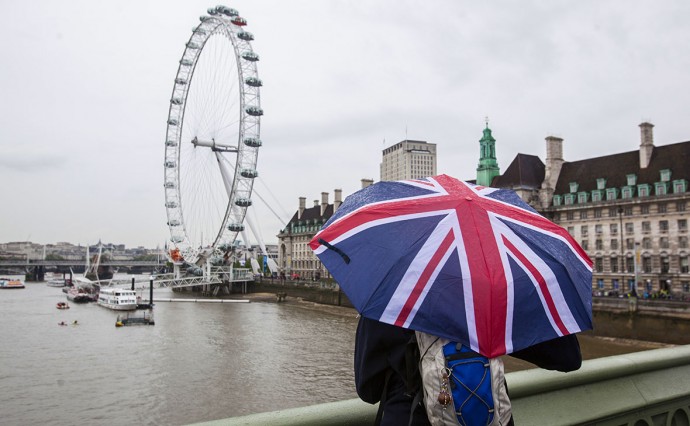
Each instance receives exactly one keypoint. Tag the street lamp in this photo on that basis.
(637, 265)
(620, 218)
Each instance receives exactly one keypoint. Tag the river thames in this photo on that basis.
(201, 361)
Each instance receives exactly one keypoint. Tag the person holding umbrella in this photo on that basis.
(387, 373)
(470, 264)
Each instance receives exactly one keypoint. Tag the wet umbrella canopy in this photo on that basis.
(469, 263)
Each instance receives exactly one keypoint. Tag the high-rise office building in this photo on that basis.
(408, 160)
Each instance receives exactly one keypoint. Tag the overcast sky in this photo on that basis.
(85, 89)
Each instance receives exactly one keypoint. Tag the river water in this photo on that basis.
(201, 361)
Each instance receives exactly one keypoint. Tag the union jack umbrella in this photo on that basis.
(469, 263)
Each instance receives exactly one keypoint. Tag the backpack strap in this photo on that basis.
(384, 396)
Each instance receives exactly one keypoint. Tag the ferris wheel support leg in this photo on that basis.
(176, 271)
(225, 173)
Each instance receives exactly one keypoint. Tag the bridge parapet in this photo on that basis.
(638, 389)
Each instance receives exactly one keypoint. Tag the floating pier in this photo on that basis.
(176, 299)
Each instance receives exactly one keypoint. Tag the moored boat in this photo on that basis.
(118, 299)
(57, 282)
(79, 295)
(62, 305)
(10, 283)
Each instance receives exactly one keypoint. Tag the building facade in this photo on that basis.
(629, 211)
(408, 160)
(295, 258)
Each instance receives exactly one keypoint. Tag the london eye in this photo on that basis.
(212, 138)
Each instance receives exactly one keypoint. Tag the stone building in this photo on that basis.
(627, 210)
(408, 160)
(295, 258)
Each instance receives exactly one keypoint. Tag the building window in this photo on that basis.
(570, 215)
(569, 199)
(629, 264)
(584, 230)
(663, 226)
(611, 193)
(647, 264)
(629, 243)
(613, 228)
(631, 178)
(615, 284)
(582, 197)
(600, 284)
(573, 187)
(660, 188)
(583, 214)
(643, 190)
(584, 244)
(629, 228)
(557, 199)
(665, 175)
(664, 265)
(682, 225)
(627, 192)
(614, 264)
(599, 264)
(597, 195)
(646, 243)
(628, 211)
(614, 244)
(598, 245)
(598, 229)
(601, 183)
(684, 266)
(597, 213)
(686, 286)
(661, 207)
(663, 242)
(644, 209)
(680, 186)
(680, 206)
(682, 242)
(646, 227)
(571, 230)
(612, 212)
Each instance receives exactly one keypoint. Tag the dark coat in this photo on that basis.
(380, 352)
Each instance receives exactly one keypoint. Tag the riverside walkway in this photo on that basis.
(646, 388)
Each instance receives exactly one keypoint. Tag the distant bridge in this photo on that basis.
(124, 263)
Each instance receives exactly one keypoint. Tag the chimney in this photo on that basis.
(554, 162)
(316, 203)
(366, 182)
(338, 199)
(324, 202)
(302, 206)
(646, 144)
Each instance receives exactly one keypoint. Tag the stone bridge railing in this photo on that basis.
(650, 388)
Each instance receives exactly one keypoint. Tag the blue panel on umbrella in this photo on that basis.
(379, 254)
(382, 191)
(531, 325)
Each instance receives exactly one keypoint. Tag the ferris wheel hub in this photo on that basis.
(215, 146)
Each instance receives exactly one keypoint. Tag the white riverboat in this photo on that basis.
(118, 299)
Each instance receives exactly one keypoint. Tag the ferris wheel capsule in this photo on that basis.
(253, 81)
(250, 56)
(252, 142)
(246, 36)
